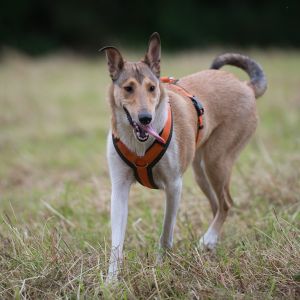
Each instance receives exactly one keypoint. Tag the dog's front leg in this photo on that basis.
(119, 212)
(173, 195)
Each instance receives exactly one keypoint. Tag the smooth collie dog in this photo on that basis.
(160, 126)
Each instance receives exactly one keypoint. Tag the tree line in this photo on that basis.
(39, 26)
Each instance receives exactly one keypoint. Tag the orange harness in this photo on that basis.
(196, 102)
(142, 165)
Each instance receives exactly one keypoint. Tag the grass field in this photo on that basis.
(55, 192)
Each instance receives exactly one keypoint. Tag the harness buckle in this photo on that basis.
(198, 106)
(173, 80)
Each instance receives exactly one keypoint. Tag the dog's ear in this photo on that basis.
(114, 60)
(152, 57)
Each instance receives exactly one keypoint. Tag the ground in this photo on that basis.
(55, 191)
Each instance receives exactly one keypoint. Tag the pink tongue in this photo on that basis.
(151, 131)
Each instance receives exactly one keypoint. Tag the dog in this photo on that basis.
(147, 114)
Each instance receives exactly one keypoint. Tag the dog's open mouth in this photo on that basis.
(142, 132)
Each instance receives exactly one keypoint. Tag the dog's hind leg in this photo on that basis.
(218, 173)
(203, 182)
(219, 155)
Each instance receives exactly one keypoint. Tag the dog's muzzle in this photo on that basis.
(139, 132)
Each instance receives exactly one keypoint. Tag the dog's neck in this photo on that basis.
(125, 130)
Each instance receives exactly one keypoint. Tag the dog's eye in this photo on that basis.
(152, 88)
(128, 89)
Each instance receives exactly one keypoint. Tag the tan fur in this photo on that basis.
(185, 127)
(229, 121)
(113, 114)
(225, 99)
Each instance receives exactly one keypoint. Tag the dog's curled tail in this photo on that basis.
(258, 81)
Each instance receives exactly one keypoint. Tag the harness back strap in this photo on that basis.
(143, 165)
(196, 102)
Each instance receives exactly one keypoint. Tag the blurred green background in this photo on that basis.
(38, 27)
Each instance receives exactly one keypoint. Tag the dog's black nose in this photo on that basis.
(145, 118)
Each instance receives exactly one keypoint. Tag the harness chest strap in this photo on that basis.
(143, 165)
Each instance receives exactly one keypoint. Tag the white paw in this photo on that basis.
(165, 246)
(160, 256)
(111, 279)
(209, 241)
(159, 260)
(113, 271)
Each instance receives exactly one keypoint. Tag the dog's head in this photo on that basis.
(136, 86)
